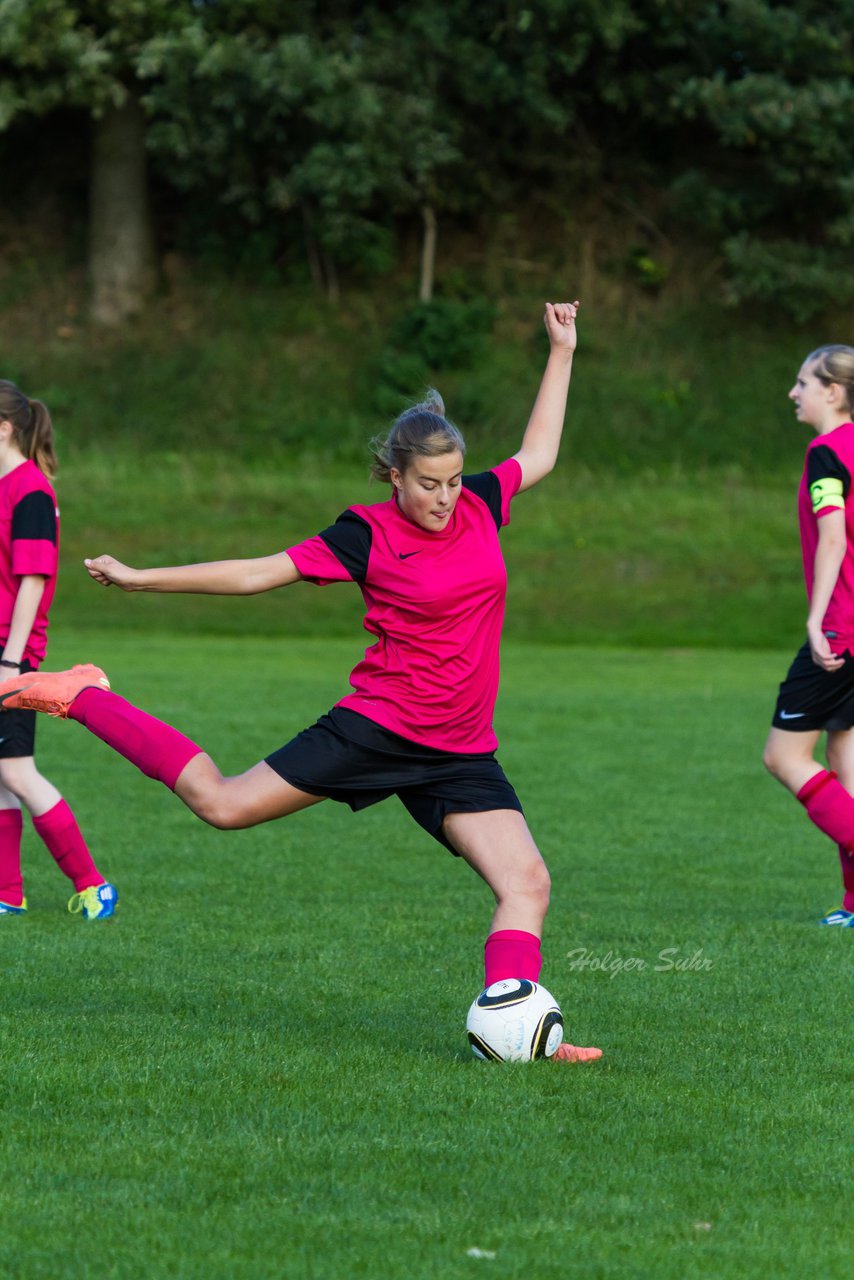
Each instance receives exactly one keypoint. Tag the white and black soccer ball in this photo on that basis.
(514, 1021)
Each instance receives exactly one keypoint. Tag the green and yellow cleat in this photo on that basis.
(98, 902)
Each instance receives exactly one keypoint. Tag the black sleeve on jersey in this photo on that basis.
(823, 464)
(34, 518)
(349, 539)
(486, 486)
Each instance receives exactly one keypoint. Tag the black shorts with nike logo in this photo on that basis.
(18, 729)
(811, 698)
(347, 757)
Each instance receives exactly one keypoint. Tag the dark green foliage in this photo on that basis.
(325, 130)
(446, 333)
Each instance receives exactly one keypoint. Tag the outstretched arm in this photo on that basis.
(541, 441)
(217, 578)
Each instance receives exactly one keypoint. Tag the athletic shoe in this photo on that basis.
(574, 1053)
(6, 909)
(843, 918)
(50, 691)
(98, 902)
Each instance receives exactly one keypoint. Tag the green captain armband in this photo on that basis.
(827, 493)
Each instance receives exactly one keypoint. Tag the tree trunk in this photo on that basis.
(428, 254)
(121, 240)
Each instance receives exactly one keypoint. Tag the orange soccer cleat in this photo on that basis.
(50, 691)
(574, 1053)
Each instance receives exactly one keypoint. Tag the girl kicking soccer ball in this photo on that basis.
(418, 723)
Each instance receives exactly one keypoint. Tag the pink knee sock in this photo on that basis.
(511, 953)
(830, 807)
(846, 861)
(11, 881)
(59, 830)
(160, 751)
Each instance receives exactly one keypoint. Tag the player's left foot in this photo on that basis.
(98, 902)
(7, 908)
(841, 918)
(50, 691)
(575, 1053)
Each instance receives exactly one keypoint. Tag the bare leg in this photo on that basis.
(20, 776)
(53, 820)
(840, 756)
(501, 849)
(790, 757)
(259, 795)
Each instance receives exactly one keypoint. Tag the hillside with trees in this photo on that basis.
(326, 140)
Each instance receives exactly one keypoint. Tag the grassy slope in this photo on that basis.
(233, 421)
(259, 1068)
(651, 560)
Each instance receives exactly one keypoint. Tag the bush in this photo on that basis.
(446, 333)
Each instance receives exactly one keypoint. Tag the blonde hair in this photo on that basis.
(834, 363)
(422, 431)
(32, 429)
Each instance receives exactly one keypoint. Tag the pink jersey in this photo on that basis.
(29, 543)
(826, 486)
(435, 602)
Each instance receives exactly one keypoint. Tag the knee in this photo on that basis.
(545, 886)
(779, 763)
(770, 761)
(8, 778)
(223, 815)
(536, 882)
(16, 776)
(215, 806)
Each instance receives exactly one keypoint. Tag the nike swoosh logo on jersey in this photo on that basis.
(792, 715)
(404, 555)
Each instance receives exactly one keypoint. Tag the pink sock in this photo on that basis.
(830, 807)
(846, 861)
(11, 881)
(511, 953)
(160, 751)
(59, 830)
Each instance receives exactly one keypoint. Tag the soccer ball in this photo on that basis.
(514, 1021)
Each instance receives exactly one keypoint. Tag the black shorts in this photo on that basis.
(17, 728)
(347, 757)
(811, 698)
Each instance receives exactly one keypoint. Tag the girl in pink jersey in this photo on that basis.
(29, 550)
(418, 722)
(817, 694)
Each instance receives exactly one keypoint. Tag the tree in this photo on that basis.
(317, 130)
(326, 127)
(740, 113)
(779, 100)
(57, 53)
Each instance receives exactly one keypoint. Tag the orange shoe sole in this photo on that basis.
(51, 692)
(575, 1053)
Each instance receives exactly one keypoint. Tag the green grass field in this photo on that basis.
(259, 1069)
(654, 560)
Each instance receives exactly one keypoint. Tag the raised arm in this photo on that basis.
(541, 441)
(217, 578)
